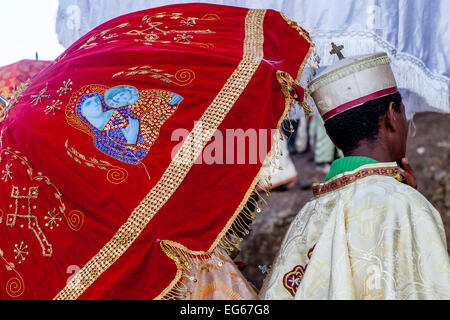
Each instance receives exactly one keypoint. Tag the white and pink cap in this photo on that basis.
(351, 82)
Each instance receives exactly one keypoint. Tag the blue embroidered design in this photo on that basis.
(119, 96)
(116, 132)
(122, 123)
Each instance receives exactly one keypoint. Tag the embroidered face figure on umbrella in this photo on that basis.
(92, 110)
(123, 122)
(119, 96)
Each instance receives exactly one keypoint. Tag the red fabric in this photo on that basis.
(14, 74)
(58, 151)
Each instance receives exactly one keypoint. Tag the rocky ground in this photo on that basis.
(429, 154)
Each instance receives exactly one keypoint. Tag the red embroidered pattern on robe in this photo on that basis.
(292, 279)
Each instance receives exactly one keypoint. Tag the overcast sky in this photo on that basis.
(26, 27)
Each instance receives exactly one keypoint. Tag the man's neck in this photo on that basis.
(376, 151)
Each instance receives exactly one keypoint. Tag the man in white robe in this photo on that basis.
(368, 233)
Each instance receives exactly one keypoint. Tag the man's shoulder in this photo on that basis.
(386, 183)
(374, 191)
(390, 191)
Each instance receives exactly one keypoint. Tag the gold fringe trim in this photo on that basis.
(312, 59)
(290, 94)
(228, 240)
(308, 68)
(294, 25)
(188, 261)
(305, 77)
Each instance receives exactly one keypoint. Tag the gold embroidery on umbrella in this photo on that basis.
(16, 155)
(16, 95)
(15, 286)
(21, 251)
(182, 77)
(54, 218)
(114, 175)
(75, 219)
(157, 32)
(66, 87)
(7, 173)
(33, 223)
(37, 98)
(90, 42)
(53, 107)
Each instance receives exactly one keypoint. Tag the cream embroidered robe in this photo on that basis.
(365, 235)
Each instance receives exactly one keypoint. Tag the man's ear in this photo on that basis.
(389, 118)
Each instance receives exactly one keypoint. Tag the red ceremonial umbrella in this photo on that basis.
(107, 186)
(14, 74)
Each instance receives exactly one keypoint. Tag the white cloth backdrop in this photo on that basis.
(415, 34)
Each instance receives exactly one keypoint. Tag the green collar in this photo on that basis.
(347, 164)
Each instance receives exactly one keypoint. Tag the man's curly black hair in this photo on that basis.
(348, 128)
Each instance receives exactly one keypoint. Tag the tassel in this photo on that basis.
(290, 90)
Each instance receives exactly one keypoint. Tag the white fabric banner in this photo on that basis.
(415, 34)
